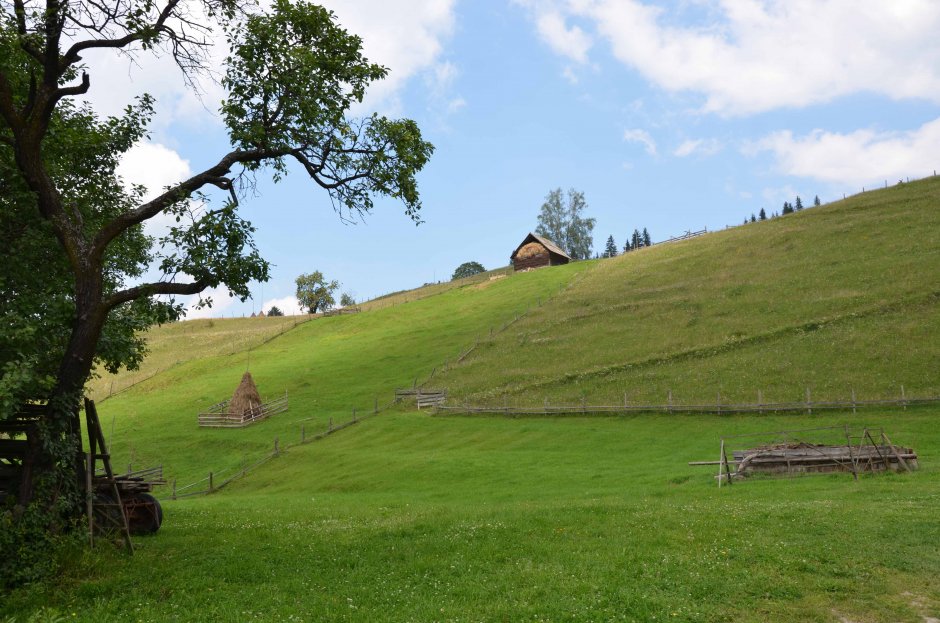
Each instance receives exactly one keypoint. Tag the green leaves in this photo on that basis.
(292, 77)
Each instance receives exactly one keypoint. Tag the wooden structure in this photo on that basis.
(218, 415)
(535, 252)
(789, 453)
(20, 453)
(114, 503)
(423, 397)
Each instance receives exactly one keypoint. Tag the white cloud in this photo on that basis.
(751, 56)
(862, 157)
(569, 75)
(287, 304)
(455, 104)
(220, 302)
(643, 137)
(407, 36)
(570, 42)
(153, 165)
(702, 147)
(117, 79)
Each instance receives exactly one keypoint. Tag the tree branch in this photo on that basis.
(150, 289)
(180, 192)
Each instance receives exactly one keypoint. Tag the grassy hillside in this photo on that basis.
(328, 366)
(407, 517)
(842, 297)
(411, 518)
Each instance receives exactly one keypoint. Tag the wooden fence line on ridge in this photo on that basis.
(769, 407)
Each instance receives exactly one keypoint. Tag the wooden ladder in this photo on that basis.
(105, 513)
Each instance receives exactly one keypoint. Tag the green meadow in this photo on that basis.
(406, 516)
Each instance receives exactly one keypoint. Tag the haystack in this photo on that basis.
(245, 398)
(530, 250)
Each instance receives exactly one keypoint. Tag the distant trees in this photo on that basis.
(561, 220)
(275, 311)
(788, 208)
(315, 293)
(610, 249)
(637, 240)
(468, 269)
(347, 300)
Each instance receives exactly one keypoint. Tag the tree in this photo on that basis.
(275, 311)
(468, 269)
(762, 215)
(315, 293)
(753, 218)
(787, 208)
(816, 202)
(611, 248)
(636, 240)
(798, 205)
(561, 221)
(347, 300)
(647, 241)
(291, 78)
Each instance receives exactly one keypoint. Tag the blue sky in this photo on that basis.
(667, 115)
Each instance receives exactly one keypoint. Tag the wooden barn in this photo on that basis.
(535, 252)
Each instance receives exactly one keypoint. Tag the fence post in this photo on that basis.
(718, 402)
(277, 449)
(669, 401)
(853, 400)
(174, 489)
(809, 404)
(210, 483)
(760, 402)
(375, 409)
(624, 401)
(583, 405)
(903, 399)
(303, 432)
(354, 414)
(331, 425)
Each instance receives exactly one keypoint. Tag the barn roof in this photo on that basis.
(545, 242)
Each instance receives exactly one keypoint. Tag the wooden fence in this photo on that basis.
(218, 416)
(807, 406)
(423, 397)
(685, 236)
(342, 311)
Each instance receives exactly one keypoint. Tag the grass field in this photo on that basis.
(407, 517)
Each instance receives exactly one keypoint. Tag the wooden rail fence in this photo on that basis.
(218, 416)
(807, 406)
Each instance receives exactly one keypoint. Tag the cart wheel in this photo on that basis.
(144, 513)
(156, 504)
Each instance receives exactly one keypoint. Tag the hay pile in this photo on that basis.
(245, 398)
(531, 250)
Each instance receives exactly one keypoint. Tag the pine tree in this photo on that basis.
(799, 204)
(787, 208)
(753, 218)
(636, 239)
(816, 202)
(647, 241)
(745, 221)
(611, 248)
(762, 215)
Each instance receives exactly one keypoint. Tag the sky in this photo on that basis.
(672, 116)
